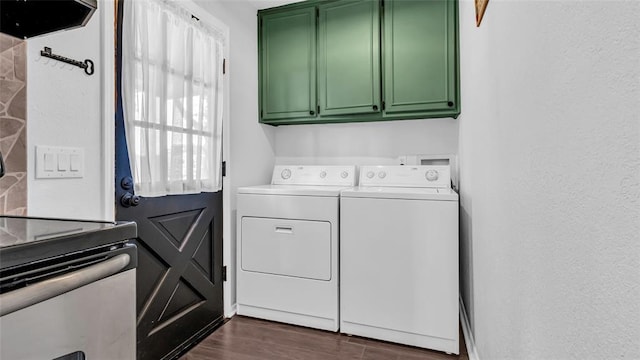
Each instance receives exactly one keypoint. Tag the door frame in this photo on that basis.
(108, 109)
(108, 106)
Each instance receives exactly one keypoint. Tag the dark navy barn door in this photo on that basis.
(179, 275)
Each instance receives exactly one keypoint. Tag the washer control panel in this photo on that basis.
(330, 175)
(436, 176)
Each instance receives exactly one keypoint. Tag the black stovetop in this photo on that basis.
(24, 239)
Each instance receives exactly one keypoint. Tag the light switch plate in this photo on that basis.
(54, 162)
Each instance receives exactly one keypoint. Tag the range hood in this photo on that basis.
(27, 18)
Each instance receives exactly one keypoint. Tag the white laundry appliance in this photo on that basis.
(399, 257)
(287, 250)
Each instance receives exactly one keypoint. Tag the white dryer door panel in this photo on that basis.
(298, 248)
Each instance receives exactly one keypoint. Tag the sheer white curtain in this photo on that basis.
(172, 93)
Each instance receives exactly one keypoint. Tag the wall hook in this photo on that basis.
(87, 65)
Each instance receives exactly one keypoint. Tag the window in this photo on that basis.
(172, 90)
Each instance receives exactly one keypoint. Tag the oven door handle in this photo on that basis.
(47, 289)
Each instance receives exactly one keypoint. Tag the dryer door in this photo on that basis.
(297, 248)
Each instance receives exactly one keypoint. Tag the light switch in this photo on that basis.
(56, 162)
(49, 162)
(74, 164)
(63, 162)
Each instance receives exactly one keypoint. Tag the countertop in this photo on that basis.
(24, 239)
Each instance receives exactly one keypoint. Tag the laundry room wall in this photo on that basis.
(64, 108)
(373, 143)
(251, 154)
(550, 178)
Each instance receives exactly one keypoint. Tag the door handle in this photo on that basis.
(129, 199)
(126, 183)
(284, 229)
(45, 290)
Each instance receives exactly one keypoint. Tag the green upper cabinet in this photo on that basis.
(349, 58)
(420, 65)
(376, 60)
(287, 60)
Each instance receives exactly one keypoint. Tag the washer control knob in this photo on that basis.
(382, 174)
(344, 174)
(323, 174)
(371, 174)
(285, 174)
(432, 175)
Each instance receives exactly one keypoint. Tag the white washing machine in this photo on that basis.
(399, 257)
(287, 265)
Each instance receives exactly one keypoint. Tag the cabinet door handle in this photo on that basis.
(450, 103)
(375, 107)
(311, 112)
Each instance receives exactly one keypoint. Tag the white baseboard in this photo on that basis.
(232, 311)
(472, 352)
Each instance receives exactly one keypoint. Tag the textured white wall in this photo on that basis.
(64, 109)
(251, 153)
(550, 178)
(380, 142)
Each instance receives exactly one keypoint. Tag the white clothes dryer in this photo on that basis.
(399, 257)
(287, 249)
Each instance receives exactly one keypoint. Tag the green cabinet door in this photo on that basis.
(420, 64)
(287, 51)
(349, 57)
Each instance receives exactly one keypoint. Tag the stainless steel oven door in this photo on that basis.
(94, 321)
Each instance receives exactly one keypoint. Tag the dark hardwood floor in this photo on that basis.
(243, 338)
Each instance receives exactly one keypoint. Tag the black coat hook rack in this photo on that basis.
(87, 64)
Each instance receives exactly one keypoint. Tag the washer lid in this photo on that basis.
(376, 192)
(293, 190)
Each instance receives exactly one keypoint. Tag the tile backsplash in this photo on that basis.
(13, 125)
